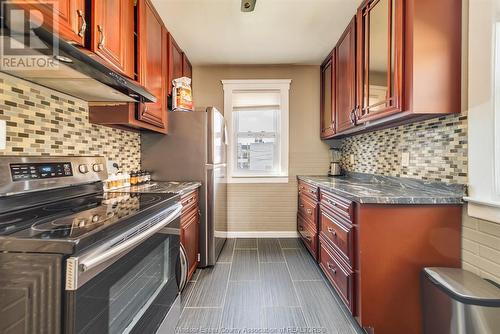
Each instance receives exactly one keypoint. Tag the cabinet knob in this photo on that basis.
(83, 27)
(309, 211)
(332, 268)
(332, 231)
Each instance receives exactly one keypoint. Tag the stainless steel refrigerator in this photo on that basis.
(195, 150)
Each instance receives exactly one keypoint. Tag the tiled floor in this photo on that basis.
(263, 286)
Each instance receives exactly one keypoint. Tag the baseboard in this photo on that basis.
(262, 234)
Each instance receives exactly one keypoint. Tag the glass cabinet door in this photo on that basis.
(380, 65)
(327, 105)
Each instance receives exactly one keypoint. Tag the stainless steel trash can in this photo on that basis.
(457, 301)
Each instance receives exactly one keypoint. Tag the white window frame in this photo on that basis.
(484, 111)
(282, 85)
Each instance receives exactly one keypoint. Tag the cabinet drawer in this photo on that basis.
(189, 201)
(308, 190)
(338, 274)
(308, 235)
(340, 235)
(309, 210)
(337, 204)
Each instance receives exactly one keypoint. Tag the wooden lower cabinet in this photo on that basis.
(340, 275)
(190, 229)
(373, 255)
(308, 234)
(307, 217)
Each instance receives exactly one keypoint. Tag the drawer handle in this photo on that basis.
(309, 211)
(102, 40)
(83, 27)
(332, 268)
(331, 202)
(312, 191)
(308, 238)
(332, 231)
(301, 205)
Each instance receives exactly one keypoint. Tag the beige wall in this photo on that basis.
(271, 207)
(481, 247)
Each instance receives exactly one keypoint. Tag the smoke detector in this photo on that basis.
(248, 5)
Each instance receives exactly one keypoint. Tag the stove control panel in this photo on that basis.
(35, 171)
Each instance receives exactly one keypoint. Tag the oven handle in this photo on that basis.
(183, 268)
(97, 259)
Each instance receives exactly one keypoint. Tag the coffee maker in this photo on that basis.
(335, 156)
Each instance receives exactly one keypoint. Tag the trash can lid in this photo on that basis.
(464, 286)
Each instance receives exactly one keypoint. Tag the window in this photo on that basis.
(484, 110)
(257, 116)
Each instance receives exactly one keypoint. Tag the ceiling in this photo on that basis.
(277, 32)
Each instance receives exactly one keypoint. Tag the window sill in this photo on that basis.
(487, 210)
(257, 179)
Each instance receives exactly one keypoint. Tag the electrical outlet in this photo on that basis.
(351, 159)
(405, 159)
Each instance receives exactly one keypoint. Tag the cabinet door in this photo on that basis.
(151, 59)
(187, 69)
(174, 62)
(69, 15)
(380, 29)
(189, 239)
(327, 107)
(113, 33)
(345, 77)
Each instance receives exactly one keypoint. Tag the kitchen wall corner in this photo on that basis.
(41, 121)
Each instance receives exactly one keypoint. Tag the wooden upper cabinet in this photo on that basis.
(380, 43)
(112, 36)
(345, 78)
(65, 18)
(175, 61)
(187, 69)
(327, 106)
(152, 63)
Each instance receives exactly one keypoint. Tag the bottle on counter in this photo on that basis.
(133, 178)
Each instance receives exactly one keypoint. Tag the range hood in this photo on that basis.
(74, 71)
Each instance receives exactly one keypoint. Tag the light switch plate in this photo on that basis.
(405, 159)
(351, 159)
(3, 134)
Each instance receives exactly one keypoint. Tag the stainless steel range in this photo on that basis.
(74, 259)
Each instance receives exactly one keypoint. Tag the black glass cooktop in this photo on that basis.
(77, 218)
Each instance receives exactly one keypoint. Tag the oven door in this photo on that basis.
(129, 284)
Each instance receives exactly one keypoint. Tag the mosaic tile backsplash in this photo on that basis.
(44, 122)
(437, 150)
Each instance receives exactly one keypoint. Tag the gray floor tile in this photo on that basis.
(210, 288)
(186, 293)
(199, 320)
(269, 250)
(226, 255)
(320, 308)
(301, 265)
(246, 243)
(242, 308)
(245, 265)
(195, 276)
(276, 285)
(284, 317)
(291, 243)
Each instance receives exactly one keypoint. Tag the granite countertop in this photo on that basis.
(165, 187)
(369, 188)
